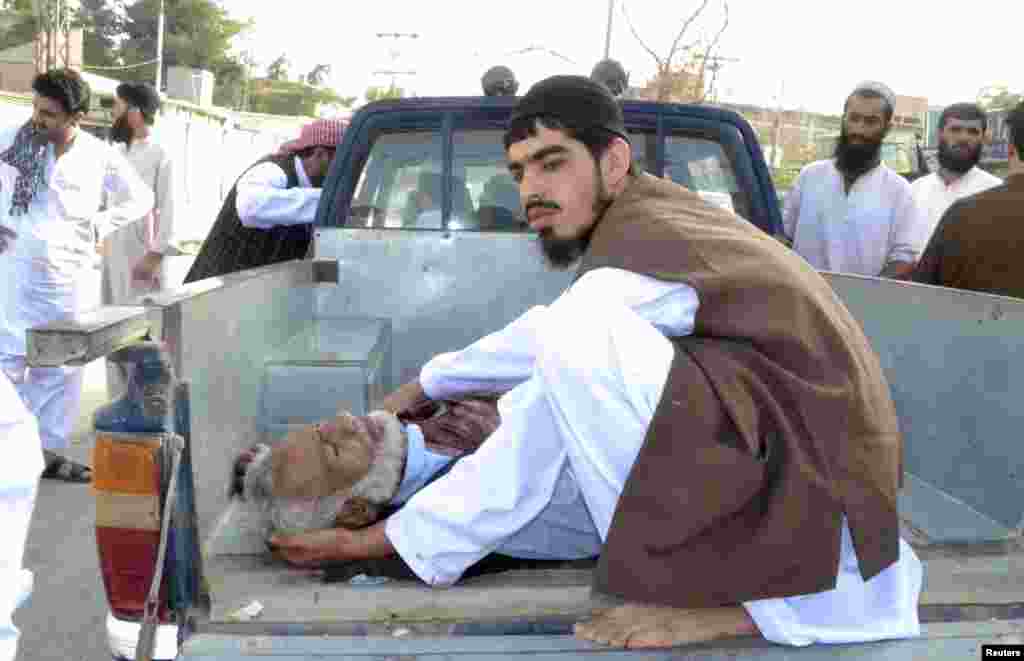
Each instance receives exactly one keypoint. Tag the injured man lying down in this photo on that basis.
(346, 472)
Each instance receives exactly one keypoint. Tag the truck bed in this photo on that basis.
(973, 594)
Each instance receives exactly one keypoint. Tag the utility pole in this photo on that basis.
(778, 125)
(160, 48)
(714, 64)
(608, 30)
(395, 52)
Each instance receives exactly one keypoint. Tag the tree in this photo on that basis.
(17, 24)
(377, 93)
(103, 25)
(286, 97)
(278, 69)
(998, 97)
(197, 33)
(319, 75)
(684, 82)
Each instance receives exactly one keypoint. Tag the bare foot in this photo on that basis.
(640, 626)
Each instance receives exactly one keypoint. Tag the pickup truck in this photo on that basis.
(389, 286)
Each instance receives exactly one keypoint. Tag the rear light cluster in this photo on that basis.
(128, 479)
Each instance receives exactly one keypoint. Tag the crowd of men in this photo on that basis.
(67, 197)
(956, 227)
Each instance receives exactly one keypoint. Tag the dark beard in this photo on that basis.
(562, 253)
(856, 159)
(120, 132)
(950, 160)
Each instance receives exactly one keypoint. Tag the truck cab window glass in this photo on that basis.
(484, 196)
(703, 166)
(644, 149)
(400, 186)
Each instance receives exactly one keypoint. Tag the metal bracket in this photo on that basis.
(90, 335)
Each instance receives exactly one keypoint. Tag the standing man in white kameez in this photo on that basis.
(852, 213)
(683, 319)
(48, 237)
(134, 254)
(961, 136)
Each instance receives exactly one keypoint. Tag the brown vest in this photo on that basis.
(231, 246)
(775, 420)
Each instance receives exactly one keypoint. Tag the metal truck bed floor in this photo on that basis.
(961, 583)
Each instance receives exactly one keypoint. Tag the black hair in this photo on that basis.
(595, 138)
(887, 109)
(141, 96)
(1015, 122)
(65, 86)
(968, 112)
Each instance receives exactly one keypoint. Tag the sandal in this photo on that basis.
(66, 470)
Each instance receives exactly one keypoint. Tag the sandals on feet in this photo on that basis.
(66, 470)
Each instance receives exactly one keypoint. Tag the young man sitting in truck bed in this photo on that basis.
(698, 408)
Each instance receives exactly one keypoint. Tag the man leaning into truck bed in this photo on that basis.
(698, 408)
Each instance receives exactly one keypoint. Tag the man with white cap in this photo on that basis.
(852, 213)
(267, 216)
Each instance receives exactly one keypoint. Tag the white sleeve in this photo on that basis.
(123, 182)
(165, 202)
(264, 200)
(502, 360)
(908, 223)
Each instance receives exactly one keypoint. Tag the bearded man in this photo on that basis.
(57, 176)
(852, 213)
(961, 137)
(697, 407)
(134, 254)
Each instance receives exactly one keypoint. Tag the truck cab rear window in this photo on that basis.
(402, 185)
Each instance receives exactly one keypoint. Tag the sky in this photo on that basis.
(795, 53)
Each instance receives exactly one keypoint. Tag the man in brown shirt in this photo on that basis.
(979, 241)
(716, 417)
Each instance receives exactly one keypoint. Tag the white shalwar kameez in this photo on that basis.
(19, 480)
(860, 232)
(154, 232)
(50, 271)
(935, 197)
(584, 376)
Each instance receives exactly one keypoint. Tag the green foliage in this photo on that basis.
(102, 25)
(278, 69)
(17, 23)
(285, 97)
(377, 93)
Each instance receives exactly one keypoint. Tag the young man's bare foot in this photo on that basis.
(640, 626)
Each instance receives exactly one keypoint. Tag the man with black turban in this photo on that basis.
(698, 409)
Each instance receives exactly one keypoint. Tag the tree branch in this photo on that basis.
(647, 48)
(710, 49)
(682, 31)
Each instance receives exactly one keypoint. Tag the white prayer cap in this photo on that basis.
(878, 88)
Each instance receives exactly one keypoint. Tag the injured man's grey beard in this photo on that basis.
(354, 507)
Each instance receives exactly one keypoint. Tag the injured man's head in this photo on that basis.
(338, 473)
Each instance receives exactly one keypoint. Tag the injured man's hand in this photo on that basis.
(343, 472)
